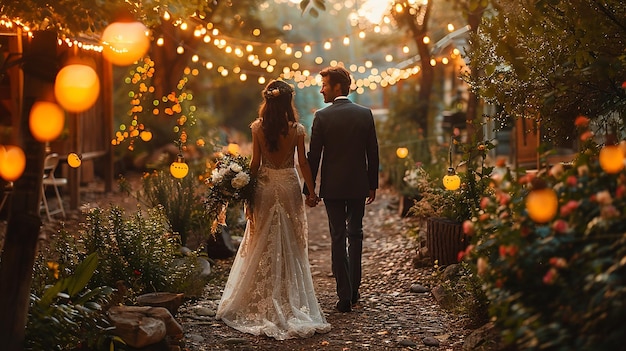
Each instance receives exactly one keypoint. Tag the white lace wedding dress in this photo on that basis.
(270, 289)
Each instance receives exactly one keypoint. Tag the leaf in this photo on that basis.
(83, 274)
(304, 4)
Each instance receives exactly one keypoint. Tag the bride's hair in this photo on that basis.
(276, 111)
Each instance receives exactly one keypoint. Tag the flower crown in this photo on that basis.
(273, 92)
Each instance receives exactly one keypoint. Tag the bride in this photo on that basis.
(270, 288)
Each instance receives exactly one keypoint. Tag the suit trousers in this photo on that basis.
(345, 220)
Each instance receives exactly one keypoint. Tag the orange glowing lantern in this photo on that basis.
(402, 152)
(77, 87)
(12, 162)
(124, 43)
(541, 204)
(233, 149)
(451, 181)
(179, 168)
(46, 120)
(611, 159)
(74, 160)
(146, 135)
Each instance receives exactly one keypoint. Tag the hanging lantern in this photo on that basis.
(76, 87)
(611, 159)
(146, 135)
(541, 204)
(402, 152)
(74, 160)
(179, 168)
(233, 149)
(12, 162)
(46, 120)
(124, 43)
(451, 181)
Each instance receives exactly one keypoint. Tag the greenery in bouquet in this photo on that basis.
(230, 183)
(559, 283)
(457, 205)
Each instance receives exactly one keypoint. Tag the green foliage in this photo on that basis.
(457, 205)
(558, 285)
(464, 289)
(140, 251)
(544, 59)
(68, 314)
(180, 199)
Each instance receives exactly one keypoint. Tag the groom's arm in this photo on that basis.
(315, 150)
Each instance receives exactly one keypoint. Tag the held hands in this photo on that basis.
(312, 200)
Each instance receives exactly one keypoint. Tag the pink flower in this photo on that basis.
(568, 208)
(550, 276)
(484, 202)
(560, 226)
(609, 211)
(586, 135)
(460, 255)
(558, 262)
(581, 122)
(468, 228)
(557, 170)
(604, 197)
(503, 198)
(571, 181)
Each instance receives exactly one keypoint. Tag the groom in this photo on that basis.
(343, 137)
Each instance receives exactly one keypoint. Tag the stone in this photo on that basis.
(171, 301)
(140, 326)
(417, 288)
(430, 341)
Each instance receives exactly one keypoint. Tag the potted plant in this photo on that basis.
(444, 210)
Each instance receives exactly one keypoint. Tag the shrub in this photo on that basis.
(180, 200)
(558, 285)
(140, 250)
(457, 205)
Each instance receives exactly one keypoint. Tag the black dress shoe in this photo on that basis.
(343, 306)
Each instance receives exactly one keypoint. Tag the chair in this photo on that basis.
(49, 167)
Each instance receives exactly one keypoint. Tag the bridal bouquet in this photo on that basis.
(229, 183)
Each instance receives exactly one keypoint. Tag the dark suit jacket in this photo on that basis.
(343, 139)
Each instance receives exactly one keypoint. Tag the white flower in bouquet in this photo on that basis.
(217, 175)
(235, 167)
(240, 180)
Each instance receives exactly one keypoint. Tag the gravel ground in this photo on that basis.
(389, 317)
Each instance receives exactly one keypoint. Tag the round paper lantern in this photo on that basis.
(179, 168)
(146, 135)
(46, 120)
(611, 159)
(451, 181)
(402, 152)
(123, 43)
(233, 149)
(76, 87)
(74, 160)
(541, 205)
(12, 162)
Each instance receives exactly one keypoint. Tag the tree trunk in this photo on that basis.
(24, 221)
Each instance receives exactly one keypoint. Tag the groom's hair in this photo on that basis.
(338, 75)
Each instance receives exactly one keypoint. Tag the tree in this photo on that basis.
(543, 60)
